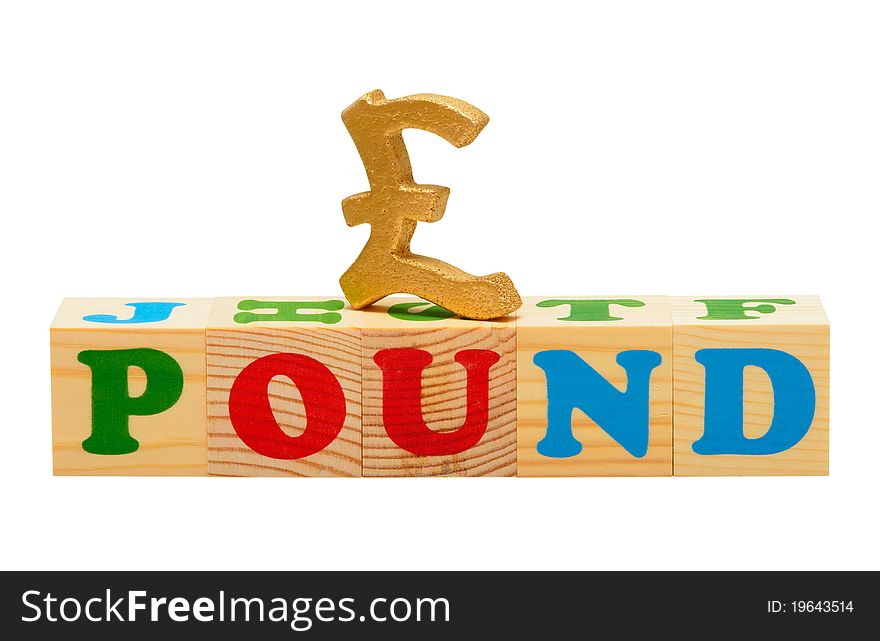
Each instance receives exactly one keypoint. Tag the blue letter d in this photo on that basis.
(794, 401)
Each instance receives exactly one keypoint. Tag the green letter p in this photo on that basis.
(111, 403)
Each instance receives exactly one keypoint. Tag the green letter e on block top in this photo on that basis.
(737, 308)
(289, 311)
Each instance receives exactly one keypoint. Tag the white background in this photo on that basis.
(195, 149)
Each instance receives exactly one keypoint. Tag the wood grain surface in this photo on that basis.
(444, 393)
(231, 350)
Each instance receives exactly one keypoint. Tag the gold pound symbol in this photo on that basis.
(395, 203)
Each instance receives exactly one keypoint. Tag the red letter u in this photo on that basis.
(402, 400)
(251, 413)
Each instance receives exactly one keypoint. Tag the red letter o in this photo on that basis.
(251, 413)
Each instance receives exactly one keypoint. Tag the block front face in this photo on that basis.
(743, 364)
(284, 388)
(594, 386)
(439, 392)
(128, 387)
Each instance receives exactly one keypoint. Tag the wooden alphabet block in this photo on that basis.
(751, 385)
(128, 386)
(439, 392)
(611, 359)
(284, 388)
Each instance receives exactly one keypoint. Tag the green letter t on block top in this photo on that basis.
(591, 310)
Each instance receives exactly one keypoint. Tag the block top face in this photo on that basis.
(411, 312)
(747, 310)
(282, 312)
(592, 311)
(133, 313)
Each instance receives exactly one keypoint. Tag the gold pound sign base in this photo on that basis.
(395, 203)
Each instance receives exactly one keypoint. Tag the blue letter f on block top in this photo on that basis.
(572, 383)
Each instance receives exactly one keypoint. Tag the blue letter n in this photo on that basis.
(572, 383)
